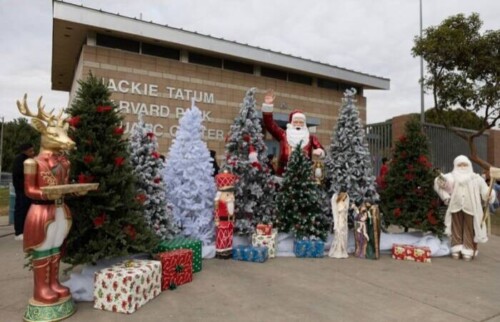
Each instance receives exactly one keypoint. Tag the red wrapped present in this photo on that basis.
(411, 253)
(263, 229)
(177, 268)
(422, 254)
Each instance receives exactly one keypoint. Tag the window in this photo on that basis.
(160, 51)
(238, 66)
(273, 73)
(119, 43)
(206, 60)
(326, 83)
(300, 78)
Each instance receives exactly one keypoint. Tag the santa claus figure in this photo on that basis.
(463, 191)
(296, 133)
(224, 214)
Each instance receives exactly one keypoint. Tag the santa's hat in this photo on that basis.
(297, 115)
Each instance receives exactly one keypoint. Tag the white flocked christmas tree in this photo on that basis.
(190, 184)
(348, 163)
(148, 167)
(246, 157)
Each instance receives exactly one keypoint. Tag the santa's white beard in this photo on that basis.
(462, 176)
(294, 135)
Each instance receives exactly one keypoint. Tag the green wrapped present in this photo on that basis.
(183, 243)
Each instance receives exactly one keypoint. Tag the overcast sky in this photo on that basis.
(370, 36)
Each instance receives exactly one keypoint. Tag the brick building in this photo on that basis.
(155, 70)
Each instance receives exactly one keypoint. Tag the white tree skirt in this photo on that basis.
(82, 284)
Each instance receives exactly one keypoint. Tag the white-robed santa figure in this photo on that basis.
(295, 133)
(463, 191)
(224, 214)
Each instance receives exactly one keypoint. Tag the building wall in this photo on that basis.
(160, 88)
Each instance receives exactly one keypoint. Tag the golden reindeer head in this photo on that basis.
(54, 129)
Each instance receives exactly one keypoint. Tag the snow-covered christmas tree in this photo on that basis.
(348, 163)
(299, 201)
(188, 176)
(246, 157)
(148, 167)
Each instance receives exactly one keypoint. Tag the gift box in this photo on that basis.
(250, 253)
(411, 253)
(183, 243)
(127, 286)
(263, 229)
(268, 241)
(309, 248)
(177, 268)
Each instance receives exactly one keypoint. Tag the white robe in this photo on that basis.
(468, 198)
(340, 212)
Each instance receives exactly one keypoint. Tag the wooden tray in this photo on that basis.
(69, 188)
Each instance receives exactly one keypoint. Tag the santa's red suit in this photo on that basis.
(224, 214)
(281, 136)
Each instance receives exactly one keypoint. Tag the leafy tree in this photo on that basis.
(148, 167)
(463, 67)
(188, 175)
(255, 189)
(348, 163)
(108, 222)
(455, 118)
(409, 200)
(299, 204)
(15, 133)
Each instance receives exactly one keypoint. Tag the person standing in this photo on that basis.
(463, 191)
(22, 203)
(213, 155)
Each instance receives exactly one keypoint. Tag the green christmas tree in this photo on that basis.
(108, 222)
(255, 189)
(409, 200)
(299, 204)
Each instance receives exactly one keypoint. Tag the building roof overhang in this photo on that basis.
(72, 23)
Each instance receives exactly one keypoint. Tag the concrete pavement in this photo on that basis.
(292, 289)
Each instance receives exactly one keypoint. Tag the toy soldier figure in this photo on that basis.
(224, 214)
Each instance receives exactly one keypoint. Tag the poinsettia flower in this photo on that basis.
(99, 220)
(85, 179)
(431, 218)
(130, 231)
(155, 155)
(119, 161)
(150, 135)
(141, 198)
(74, 121)
(118, 130)
(103, 108)
(88, 158)
(157, 180)
(397, 212)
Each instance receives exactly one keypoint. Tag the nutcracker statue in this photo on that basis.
(224, 214)
(49, 219)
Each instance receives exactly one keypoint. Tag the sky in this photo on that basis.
(370, 36)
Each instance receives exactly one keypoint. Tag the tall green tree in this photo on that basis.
(409, 200)
(456, 118)
(298, 201)
(108, 222)
(463, 68)
(15, 133)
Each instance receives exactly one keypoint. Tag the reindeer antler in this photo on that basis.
(42, 115)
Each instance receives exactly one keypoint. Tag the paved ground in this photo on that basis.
(291, 289)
